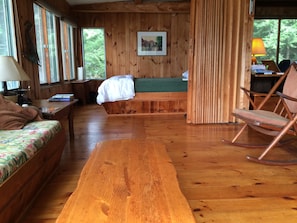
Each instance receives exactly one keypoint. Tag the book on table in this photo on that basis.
(62, 97)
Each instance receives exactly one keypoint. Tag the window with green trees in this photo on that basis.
(46, 42)
(279, 36)
(94, 53)
(7, 37)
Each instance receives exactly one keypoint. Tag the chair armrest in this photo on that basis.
(254, 93)
(286, 96)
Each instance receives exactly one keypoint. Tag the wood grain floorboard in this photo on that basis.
(216, 179)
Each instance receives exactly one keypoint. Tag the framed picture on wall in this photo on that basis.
(151, 43)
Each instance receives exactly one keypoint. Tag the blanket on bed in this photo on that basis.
(116, 88)
(13, 116)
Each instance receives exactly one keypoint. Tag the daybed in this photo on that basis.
(146, 95)
(30, 151)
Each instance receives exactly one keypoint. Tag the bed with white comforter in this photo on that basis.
(116, 88)
(125, 94)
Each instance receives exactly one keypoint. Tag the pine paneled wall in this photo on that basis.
(121, 42)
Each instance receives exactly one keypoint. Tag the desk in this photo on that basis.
(57, 111)
(262, 83)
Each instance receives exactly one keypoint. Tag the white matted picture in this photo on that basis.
(151, 43)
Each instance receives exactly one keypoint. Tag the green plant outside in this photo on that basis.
(94, 53)
(268, 30)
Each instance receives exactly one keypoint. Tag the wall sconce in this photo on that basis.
(258, 49)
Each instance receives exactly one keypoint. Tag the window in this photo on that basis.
(288, 39)
(7, 37)
(45, 27)
(279, 36)
(67, 50)
(94, 53)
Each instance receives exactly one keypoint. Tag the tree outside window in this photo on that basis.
(45, 27)
(7, 37)
(279, 36)
(94, 53)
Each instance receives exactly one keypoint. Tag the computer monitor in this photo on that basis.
(284, 65)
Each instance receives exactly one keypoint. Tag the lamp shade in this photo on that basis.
(10, 70)
(258, 48)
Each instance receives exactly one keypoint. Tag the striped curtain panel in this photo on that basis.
(219, 59)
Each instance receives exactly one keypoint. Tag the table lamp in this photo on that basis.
(258, 49)
(10, 70)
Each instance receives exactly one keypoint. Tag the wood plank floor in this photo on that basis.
(216, 179)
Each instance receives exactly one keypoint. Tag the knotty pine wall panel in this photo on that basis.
(121, 42)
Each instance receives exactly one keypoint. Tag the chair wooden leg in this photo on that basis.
(271, 145)
(236, 137)
(239, 133)
(272, 162)
(277, 138)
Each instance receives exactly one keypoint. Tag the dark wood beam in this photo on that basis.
(273, 12)
(276, 3)
(156, 7)
(138, 1)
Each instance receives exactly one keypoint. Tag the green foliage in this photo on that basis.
(288, 39)
(268, 30)
(94, 53)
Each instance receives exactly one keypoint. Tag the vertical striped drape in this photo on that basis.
(219, 59)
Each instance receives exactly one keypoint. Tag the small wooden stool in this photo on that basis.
(127, 181)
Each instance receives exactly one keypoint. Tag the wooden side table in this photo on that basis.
(57, 111)
(81, 90)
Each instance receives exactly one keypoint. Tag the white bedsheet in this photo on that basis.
(116, 88)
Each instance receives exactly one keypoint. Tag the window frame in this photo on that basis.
(10, 39)
(47, 44)
(67, 48)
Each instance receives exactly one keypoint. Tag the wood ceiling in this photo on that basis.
(84, 2)
(270, 3)
(264, 8)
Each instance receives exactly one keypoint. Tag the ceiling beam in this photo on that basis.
(271, 4)
(273, 12)
(116, 7)
(138, 1)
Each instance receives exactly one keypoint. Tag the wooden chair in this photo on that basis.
(277, 123)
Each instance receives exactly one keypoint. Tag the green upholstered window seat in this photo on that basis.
(160, 85)
(153, 96)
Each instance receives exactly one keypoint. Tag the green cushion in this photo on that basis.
(160, 85)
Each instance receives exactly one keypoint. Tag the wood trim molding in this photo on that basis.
(159, 7)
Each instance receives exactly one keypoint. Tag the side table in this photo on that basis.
(57, 111)
(81, 90)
